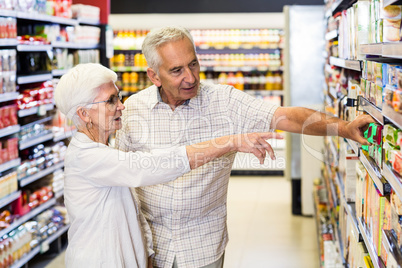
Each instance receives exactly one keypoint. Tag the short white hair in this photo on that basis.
(158, 37)
(79, 87)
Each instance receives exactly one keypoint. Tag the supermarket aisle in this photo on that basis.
(263, 233)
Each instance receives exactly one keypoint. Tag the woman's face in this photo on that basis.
(106, 111)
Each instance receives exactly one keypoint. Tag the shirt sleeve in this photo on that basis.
(106, 166)
(248, 113)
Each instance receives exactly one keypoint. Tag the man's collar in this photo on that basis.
(155, 98)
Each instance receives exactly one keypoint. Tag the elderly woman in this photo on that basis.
(105, 218)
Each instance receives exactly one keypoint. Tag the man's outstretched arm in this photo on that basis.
(311, 122)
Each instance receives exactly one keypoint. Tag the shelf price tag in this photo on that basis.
(42, 110)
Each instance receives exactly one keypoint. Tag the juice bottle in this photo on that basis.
(239, 81)
(222, 78)
(137, 59)
(269, 83)
(203, 77)
(133, 81)
(231, 79)
(126, 81)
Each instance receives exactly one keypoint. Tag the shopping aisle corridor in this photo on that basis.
(263, 233)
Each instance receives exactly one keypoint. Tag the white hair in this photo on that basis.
(158, 37)
(79, 87)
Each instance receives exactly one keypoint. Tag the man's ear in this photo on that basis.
(153, 76)
(83, 114)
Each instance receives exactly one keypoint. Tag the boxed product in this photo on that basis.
(391, 16)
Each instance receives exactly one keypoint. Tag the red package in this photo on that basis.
(397, 164)
(1, 118)
(13, 115)
(6, 116)
(4, 155)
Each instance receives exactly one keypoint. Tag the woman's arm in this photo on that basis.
(203, 152)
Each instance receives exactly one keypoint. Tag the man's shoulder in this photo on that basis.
(144, 96)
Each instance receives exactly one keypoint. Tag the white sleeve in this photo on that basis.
(110, 167)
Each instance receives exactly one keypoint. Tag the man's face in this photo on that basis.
(179, 71)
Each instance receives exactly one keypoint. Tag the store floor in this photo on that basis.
(263, 232)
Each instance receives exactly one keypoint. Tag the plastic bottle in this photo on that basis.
(222, 78)
(203, 77)
(133, 81)
(239, 81)
(269, 83)
(231, 79)
(137, 60)
(126, 81)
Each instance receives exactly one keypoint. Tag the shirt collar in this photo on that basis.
(155, 98)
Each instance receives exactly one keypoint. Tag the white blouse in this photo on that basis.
(105, 219)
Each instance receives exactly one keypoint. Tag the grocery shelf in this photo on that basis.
(46, 18)
(129, 69)
(394, 179)
(240, 69)
(59, 72)
(33, 78)
(391, 115)
(29, 215)
(39, 249)
(392, 2)
(355, 65)
(375, 173)
(40, 121)
(28, 48)
(8, 13)
(57, 234)
(371, 49)
(27, 180)
(370, 108)
(331, 35)
(9, 198)
(9, 165)
(36, 110)
(392, 50)
(26, 258)
(263, 92)
(64, 135)
(350, 210)
(226, 50)
(8, 42)
(9, 130)
(74, 45)
(35, 140)
(354, 145)
(9, 96)
(93, 22)
(369, 244)
(57, 195)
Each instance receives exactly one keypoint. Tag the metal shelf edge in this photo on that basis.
(28, 216)
(10, 164)
(26, 258)
(9, 130)
(27, 180)
(36, 140)
(393, 180)
(34, 78)
(9, 96)
(373, 174)
(370, 108)
(9, 198)
(369, 246)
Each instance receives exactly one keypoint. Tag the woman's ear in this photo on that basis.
(153, 76)
(83, 114)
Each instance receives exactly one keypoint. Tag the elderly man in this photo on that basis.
(188, 217)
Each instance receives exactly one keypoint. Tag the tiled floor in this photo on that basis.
(263, 232)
